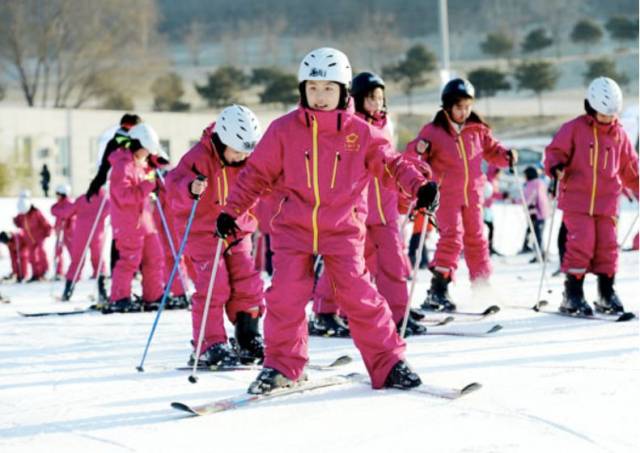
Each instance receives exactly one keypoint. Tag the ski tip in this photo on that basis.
(491, 310)
(495, 329)
(183, 407)
(470, 388)
(342, 360)
(627, 316)
(539, 305)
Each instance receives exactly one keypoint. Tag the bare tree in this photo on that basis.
(74, 50)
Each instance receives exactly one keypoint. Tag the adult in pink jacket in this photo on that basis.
(18, 251)
(36, 229)
(131, 182)
(320, 158)
(238, 288)
(87, 214)
(385, 256)
(592, 158)
(63, 227)
(454, 144)
(178, 293)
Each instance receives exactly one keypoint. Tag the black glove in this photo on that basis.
(157, 161)
(555, 169)
(428, 197)
(226, 226)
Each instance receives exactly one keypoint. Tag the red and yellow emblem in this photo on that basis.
(351, 142)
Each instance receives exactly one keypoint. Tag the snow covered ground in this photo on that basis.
(549, 383)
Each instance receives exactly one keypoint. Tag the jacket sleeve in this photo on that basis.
(262, 170)
(559, 150)
(179, 179)
(493, 151)
(43, 225)
(391, 168)
(125, 189)
(628, 165)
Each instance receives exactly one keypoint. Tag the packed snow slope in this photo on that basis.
(550, 383)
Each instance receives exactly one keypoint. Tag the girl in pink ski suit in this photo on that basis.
(593, 159)
(63, 227)
(454, 145)
(36, 229)
(385, 256)
(320, 158)
(238, 288)
(131, 181)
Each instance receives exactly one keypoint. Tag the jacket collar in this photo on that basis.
(331, 121)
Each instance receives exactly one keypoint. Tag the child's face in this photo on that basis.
(604, 119)
(374, 102)
(461, 111)
(141, 154)
(233, 156)
(322, 94)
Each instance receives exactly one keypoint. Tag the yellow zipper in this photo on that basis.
(219, 190)
(316, 188)
(595, 170)
(335, 169)
(463, 154)
(306, 164)
(26, 228)
(606, 154)
(225, 185)
(379, 200)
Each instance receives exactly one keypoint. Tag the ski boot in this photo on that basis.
(416, 315)
(573, 302)
(216, 356)
(328, 325)
(68, 291)
(413, 328)
(402, 377)
(149, 305)
(248, 340)
(438, 298)
(125, 305)
(102, 289)
(271, 379)
(608, 302)
(178, 302)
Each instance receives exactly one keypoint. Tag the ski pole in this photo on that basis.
(631, 228)
(76, 274)
(527, 216)
(167, 232)
(56, 260)
(214, 271)
(172, 276)
(99, 273)
(553, 216)
(414, 273)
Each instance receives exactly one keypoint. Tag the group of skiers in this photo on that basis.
(324, 180)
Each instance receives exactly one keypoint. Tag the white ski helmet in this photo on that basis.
(63, 189)
(147, 137)
(326, 64)
(24, 202)
(239, 128)
(604, 96)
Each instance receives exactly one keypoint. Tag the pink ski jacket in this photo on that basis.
(320, 164)
(204, 160)
(456, 158)
(34, 225)
(85, 213)
(65, 217)
(599, 159)
(131, 210)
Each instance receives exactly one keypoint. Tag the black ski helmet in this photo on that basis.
(364, 83)
(455, 90)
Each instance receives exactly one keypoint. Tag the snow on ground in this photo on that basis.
(549, 383)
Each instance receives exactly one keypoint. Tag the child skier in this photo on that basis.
(86, 212)
(592, 158)
(63, 227)
(537, 201)
(384, 248)
(36, 229)
(19, 252)
(320, 158)
(454, 145)
(238, 289)
(131, 182)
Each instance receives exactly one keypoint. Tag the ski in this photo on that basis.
(489, 311)
(246, 399)
(435, 322)
(77, 311)
(340, 361)
(466, 332)
(626, 316)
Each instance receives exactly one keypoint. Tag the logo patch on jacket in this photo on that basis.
(351, 142)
